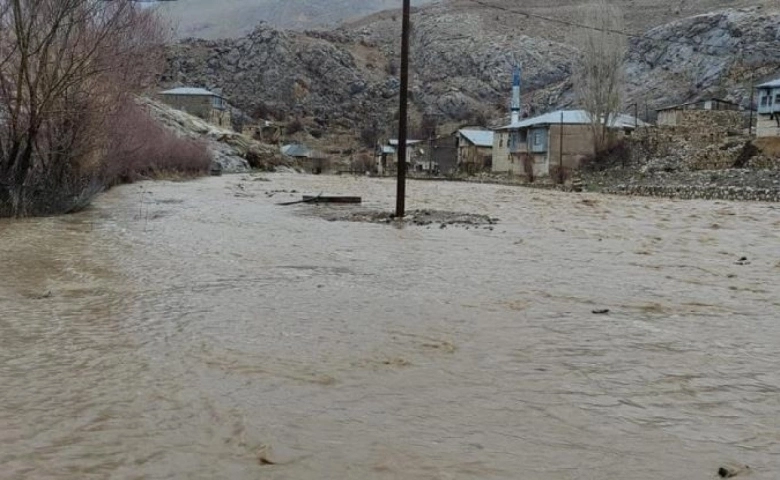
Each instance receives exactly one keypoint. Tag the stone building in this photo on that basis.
(475, 150)
(264, 131)
(541, 146)
(206, 105)
(713, 112)
(768, 124)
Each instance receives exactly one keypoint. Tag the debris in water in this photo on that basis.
(602, 311)
(730, 471)
(743, 261)
(263, 455)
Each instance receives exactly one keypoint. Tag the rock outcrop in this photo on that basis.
(715, 54)
(233, 152)
(462, 61)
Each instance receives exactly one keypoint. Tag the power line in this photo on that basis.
(623, 33)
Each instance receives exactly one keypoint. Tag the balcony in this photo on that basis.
(769, 101)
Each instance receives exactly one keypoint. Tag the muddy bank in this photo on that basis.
(422, 218)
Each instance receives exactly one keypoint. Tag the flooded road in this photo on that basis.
(197, 331)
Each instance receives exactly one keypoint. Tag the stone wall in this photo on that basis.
(695, 136)
(718, 119)
(705, 192)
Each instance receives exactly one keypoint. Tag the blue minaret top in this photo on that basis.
(516, 101)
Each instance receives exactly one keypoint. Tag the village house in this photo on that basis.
(308, 159)
(540, 146)
(768, 124)
(475, 150)
(209, 106)
(264, 131)
(706, 113)
(387, 156)
(443, 151)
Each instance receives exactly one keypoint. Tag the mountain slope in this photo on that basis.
(462, 61)
(235, 18)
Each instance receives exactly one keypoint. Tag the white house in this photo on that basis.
(769, 109)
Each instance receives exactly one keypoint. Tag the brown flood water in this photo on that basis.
(179, 330)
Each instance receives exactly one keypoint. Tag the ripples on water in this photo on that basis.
(191, 330)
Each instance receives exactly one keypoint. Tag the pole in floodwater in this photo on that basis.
(400, 204)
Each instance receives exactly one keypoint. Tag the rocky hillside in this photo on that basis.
(715, 54)
(462, 60)
(235, 18)
(233, 152)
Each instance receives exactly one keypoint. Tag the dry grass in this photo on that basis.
(769, 146)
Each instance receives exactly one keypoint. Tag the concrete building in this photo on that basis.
(387, 156)
(768, 124)
(540, 146)
(475, 150)
(713, 112)
(209, 106)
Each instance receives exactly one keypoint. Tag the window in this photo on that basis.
(537, 139)
(777, 99)
(764, 101)
(501, 140)
(217, 102)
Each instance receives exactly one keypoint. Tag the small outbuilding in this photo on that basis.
(475, 150)
(707, 113)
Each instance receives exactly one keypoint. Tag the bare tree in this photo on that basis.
(65, 66)
(599, 74)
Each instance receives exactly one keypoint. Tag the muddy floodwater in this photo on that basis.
(199, 331)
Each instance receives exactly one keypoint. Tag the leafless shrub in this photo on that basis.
(65, 66)
(142, 148)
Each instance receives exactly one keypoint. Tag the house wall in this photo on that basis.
(727, 119)
(667, 118)
(472, 158)
(577, 143)
(502, 162)
(768, 100)
(201, 106)
(513, 160)
(767, 126)
(221, 118)
(444, 153)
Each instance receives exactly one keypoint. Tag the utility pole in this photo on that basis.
(752, 99)
(400, 202)
(561, 176)
(636, 115)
